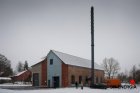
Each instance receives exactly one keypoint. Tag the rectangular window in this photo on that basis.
(72, 79)
(97, 80)
(80, 79)
(51, 61)
(49, 83)
(86, 79)
(101, 80)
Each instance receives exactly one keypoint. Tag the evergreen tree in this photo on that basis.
(20, 67)
(5, 66)
(26, 65)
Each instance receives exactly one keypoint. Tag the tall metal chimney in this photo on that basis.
(92, 45)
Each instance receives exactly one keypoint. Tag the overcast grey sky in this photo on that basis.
(30, 28)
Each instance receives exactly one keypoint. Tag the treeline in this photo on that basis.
(134, 73)
(111, 67)
(6, 69)
(22, 66)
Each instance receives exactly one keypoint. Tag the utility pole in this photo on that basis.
(92, 45)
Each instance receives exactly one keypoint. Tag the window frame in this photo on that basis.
(72, 79)
(51, 61)
(80, 79)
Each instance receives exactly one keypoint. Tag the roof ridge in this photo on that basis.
(74, 60)
(71, 55)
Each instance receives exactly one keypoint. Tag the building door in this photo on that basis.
(35, 79)
(56, 81)
(49, 83)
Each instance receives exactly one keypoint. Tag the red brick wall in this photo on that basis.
(84, 72)
(44, 72)
(23, 76)
(64, 75)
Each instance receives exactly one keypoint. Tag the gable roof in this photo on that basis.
(76, 61)
(20, 73)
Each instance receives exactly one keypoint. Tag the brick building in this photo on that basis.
(24, 76)
(39, 73)
(62, 70)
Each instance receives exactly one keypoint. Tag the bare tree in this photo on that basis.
(111, 67)
(123, 77)
(133, 72)
(137, 76)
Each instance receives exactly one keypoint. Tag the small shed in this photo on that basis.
(24, 76)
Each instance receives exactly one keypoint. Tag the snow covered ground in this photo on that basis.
(16, 84)
(72, 90)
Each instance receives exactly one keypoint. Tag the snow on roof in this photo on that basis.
(76, 61)
(20, 73)
(39, 61)
(5, 78)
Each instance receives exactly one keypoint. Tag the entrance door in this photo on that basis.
(49, 83)
(35, 79)
(56, 81)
